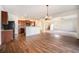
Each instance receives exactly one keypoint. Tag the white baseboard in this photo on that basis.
(72, 34)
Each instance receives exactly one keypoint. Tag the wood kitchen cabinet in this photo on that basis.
(6, 36)
(24, 23)
(4, 17)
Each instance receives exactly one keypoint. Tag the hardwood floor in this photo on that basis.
(42, 43)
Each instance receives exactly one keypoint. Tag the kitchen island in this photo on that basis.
(32, 30)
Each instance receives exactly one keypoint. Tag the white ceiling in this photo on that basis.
(37, 11)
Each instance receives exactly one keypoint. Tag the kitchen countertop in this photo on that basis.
(7, 30)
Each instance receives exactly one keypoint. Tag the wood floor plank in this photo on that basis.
(42, 43)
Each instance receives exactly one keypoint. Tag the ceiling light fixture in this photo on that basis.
(47, 15)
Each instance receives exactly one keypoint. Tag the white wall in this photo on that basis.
(66, 21)
(77, 22)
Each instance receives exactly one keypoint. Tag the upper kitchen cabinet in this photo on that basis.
(4, 17)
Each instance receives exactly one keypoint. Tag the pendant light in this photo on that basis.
(47, 15)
